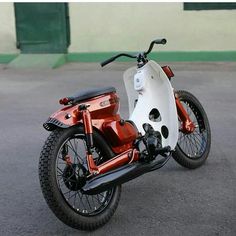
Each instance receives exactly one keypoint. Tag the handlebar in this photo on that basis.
(157, 41)
(115, 57)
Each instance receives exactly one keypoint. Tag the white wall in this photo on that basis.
(131, 26)
(7, 29)
(101, 27)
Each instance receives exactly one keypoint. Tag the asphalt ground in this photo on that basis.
(171, 201)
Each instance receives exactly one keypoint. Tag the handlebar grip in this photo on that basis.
(115, 57)
(108, 61)
(160, 41)
(157, 41)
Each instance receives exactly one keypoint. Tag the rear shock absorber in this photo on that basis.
(88, 130)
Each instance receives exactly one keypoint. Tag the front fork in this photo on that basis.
(187, 124)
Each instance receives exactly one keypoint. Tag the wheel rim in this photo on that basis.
(68, 178)
(193, 145)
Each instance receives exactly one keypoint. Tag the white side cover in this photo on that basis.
(153, 90)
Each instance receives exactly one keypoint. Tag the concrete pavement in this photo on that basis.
(171, 201)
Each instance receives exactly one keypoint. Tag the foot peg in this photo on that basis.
(163, 151)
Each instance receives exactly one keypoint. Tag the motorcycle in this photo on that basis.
(92, 151)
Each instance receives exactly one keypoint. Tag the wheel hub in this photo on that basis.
(73, 177)
(188, 127)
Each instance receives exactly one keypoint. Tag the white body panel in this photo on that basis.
(150, 85)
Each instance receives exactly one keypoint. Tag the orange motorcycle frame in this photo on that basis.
(101, 113)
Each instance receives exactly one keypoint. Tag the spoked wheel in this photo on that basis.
(71, 167)
(62, 171)
(193, 148)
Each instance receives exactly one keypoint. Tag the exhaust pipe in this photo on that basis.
(121, 175)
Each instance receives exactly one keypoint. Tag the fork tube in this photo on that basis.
(188, 125)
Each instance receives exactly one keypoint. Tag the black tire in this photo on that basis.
(51, 188)
(193, 154)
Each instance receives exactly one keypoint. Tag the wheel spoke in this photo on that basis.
(197, 141)
(59, 170)
(71, 196)
(76, 154)
(193, 144)
(81, 200)
(68, 179)
(88, 201)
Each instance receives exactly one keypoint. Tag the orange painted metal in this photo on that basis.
(122, 148)
(99, 113)
(120, 160)
(64, 101)
(119, 132)
(103, 110)
(91, 164)
(86, 117)
(168, 71)
(187, 124)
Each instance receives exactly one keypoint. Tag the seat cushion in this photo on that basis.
(90, 93)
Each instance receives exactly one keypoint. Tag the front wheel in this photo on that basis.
(192, 149)
(61, 165)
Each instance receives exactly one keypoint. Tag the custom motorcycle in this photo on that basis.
(92, 151)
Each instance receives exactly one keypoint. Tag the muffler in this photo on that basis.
(120, 175)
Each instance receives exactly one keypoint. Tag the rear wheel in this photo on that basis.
(192, 149)
(61, 172)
